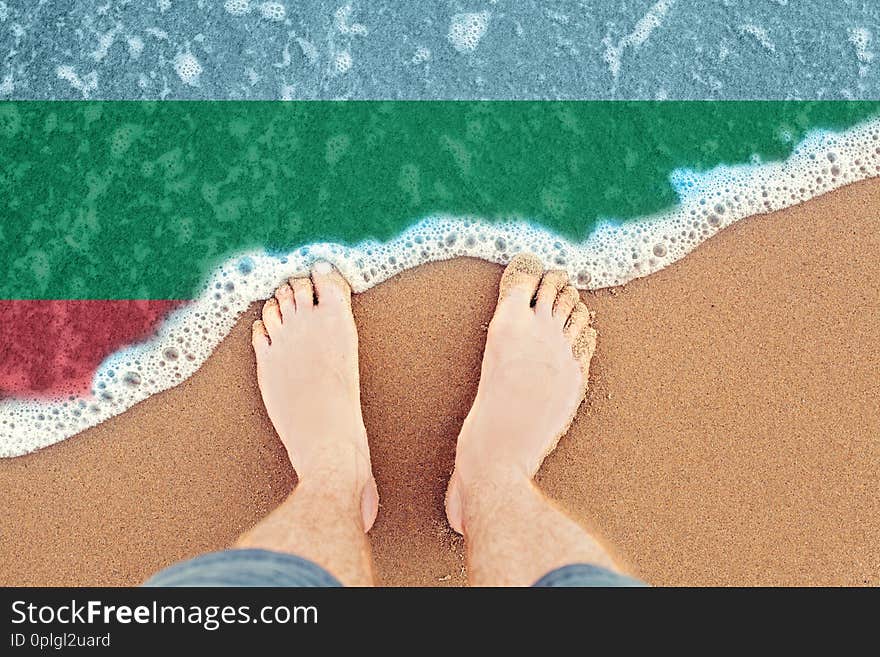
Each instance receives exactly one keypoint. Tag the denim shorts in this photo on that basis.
(263, 568)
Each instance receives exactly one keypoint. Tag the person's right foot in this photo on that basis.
(307, 367)
(533, 379)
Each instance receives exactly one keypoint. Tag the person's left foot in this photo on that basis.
(307, 367)
(533, 378)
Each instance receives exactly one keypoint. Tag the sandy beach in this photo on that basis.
(730, 435)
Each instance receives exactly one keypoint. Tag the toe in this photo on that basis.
(521, 277)
(567, 299)
(259, 337)
(330, 286)
(582, 336)
(272, 317)
(584, 346)
(284, 296)
(303, 294)
(552, 284)
(577, 321)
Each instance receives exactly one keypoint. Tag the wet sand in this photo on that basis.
(730, 436)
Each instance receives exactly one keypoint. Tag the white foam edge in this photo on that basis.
(613, 254)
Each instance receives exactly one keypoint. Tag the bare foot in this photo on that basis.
(533, 379)
(307, 367)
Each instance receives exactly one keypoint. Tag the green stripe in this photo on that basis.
(122, 200)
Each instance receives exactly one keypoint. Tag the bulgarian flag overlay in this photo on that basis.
(147, 150)
(115, 213)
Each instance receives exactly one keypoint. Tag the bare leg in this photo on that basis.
(307, 368)
(533, 379)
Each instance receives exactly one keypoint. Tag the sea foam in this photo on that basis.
(613, 254)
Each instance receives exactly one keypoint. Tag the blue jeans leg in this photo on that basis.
(581, 574)
(261, 568)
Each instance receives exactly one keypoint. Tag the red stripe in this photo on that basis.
(51, 348)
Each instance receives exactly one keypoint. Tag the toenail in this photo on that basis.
(322, 267)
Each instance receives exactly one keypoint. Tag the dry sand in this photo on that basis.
(731, 433)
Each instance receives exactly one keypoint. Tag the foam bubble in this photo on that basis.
(421, 54)
(466, 30)
(187, 68)
(237, 7)
(860, 38)
(123, 137)
(342, 18)
(273, 11)
(342, 62)
(612, 255)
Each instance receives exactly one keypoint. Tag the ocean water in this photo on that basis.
(676, 172)
(479, 49)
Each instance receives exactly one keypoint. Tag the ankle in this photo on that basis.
(479, 462)
(488, 498)
(337, 493)
(483, 484)
(476, 469)
(340, 470)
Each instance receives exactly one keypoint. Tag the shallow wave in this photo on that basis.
(613, 254)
